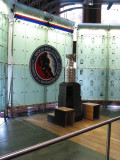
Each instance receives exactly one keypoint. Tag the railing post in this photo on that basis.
(108, 141)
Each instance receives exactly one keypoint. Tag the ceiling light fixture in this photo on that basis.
(89, 2)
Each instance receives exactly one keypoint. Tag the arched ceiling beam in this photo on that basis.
(54, 2)
(66, 4)
(70, 9)
(22, 1)
(34, 3)
(60, 6)
(114, 1)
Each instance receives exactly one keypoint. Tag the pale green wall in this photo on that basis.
(98, 59)
(98, 62)
(3, 54)
(26, 38)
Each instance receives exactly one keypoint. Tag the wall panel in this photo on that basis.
(98, 67)
(27, 37)
(3, 58)
(114, 65)
(92, 63)
(30, 91)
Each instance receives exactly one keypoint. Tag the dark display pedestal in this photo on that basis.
(69, 96)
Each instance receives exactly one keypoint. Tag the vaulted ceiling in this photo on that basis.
(53, 6)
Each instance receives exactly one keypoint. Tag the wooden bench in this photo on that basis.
(91, 110)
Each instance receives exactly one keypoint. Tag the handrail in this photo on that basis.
(62, 138)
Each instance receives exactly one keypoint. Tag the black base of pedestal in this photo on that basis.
(78, 118)
(69, 96)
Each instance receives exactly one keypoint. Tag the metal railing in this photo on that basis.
(62, 138)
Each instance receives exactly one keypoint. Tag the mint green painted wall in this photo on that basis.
(98, 63)
(3, 59)
(114, 65)
(27, 37)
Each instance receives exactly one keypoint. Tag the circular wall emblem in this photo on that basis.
(45, 65)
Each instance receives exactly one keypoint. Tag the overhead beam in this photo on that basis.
(66, 4)
(23, 1)
(61, 6)
(81, 1)
(70, 9)
(102, 1)
(33, 3)
(114, 1)
(50, 4)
